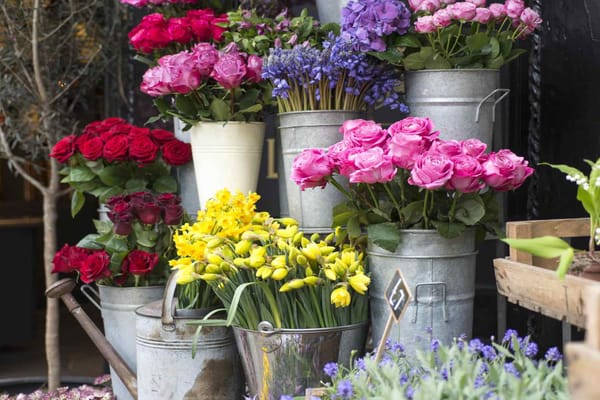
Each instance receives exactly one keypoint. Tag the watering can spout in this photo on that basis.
(62, 289)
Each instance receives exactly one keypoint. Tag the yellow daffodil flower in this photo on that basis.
(340, 297)
(359, 283)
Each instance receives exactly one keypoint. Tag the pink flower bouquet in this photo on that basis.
(406, 177)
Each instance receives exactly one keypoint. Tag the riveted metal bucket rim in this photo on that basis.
(454, 70)
(225, 123)
(276, 331)
(320, 112)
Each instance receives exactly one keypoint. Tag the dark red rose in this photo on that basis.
(173, 214)
(121, 214)
(111, 201)
(64, 149)
(199, 21)
(95, 267)
(112, 121)
(115, 148)
(117, 129)
(93, 128)
(177, 152)
(204, 13)
(69, 258)
(149, 213)
(150, 34)
(217, 26)
(180, 30)
(143, 150)
(92, 149)
(161, 136)
(168, 199)
(136, 132)
(139, 262)
(84, 137)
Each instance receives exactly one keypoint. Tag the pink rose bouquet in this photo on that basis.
(405, 176)
(111, 157)
(444, 34)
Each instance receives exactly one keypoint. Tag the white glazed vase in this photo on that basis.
(226, 156)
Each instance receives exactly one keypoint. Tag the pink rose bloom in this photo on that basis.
(466, 177)
(155, 82)
(448, 148)
(429, 5)
(405, 148)
(254, 68)
(229, 70)
(339, 154)
(135, 3)
(179, 30)
(182, 74)
(425, 24)
(474, 148)
(514, 8)
(362, 133)
(463, 11)
(431, 171)
(414, 4)
(505, 170)
(442, 18)
(531, 19)
(478, 3)
(482, 15)
(498, 10)
(372, 166)
(205, 58)
(414, 126)
(311, 168)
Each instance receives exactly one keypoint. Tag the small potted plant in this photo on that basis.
(290, 298)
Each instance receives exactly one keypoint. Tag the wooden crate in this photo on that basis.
(531, 282)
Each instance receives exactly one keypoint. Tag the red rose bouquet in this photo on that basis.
(133, 248)
(112, 157)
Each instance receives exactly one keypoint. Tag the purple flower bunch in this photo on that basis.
(334, 77)
(369, 23)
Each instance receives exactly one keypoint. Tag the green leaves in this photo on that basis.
(385, 235)
(219, 109)
(546, 247)
(469, 210)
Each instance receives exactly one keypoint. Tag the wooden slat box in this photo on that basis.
(531, 282)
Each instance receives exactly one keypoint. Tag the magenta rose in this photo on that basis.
(156, 82)
(431, 171)
(483, 15)
(143, 150)
(95, 267)
(372, 166)
(150, 34)
(466, 177)
(424, 5)
(180, 30)
(311, 168)
(218, 26)
(176, 152)
(362, 133)
(404, 149)
(139, 262)
(478, 3)
(181, 73)
(504, 170)
(449, 148)
(474, 148)
(531, 19)
(425, 24)
(200, 24)
(64, 149)
(254, 68)
(116, 148)
(498, 10)
(442, 18)
(205, 58)
(92, 149)
(514, 8)
(229, 70)
(414, 126)
(463, 11)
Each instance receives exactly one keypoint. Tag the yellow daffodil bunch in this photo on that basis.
(266, 269)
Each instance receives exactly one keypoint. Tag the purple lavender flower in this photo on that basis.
(330, 369)
(410, 392)
(360, 364)
(479, 382)
(489, 352)
(475, 345)
(531, 350)
(553, 354)
(435, 345)
(345, 389)
(403, 379)
(508, 335)
(286, 397)
(510, 367)
(444, 374)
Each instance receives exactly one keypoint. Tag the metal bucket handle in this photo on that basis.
(430, 284)
(167, 317)
(92, 296)
(504, 92)
(266, 329)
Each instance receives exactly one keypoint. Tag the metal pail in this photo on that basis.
(312, 208)
(166, 368)
(118, 305)
(281, 362)
(330, 10)
(460, 102)
(440, 273)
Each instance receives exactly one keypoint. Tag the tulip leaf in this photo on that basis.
(384, 235)
(165, 184)
(219, 110)
(544, 246)
(77, 202)
(449, 230)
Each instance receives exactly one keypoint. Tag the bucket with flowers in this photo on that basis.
(452, 53)
(423, 202)
(128, 260)
(295, 302)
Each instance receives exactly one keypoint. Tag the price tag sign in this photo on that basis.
(398, 295)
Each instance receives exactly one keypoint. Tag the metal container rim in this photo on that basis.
(455, 70)
(110, 287)
(306, 330)
(320, 112)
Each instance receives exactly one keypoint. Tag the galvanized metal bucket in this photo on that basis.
(461, 102)
(118, 305)
(281, 362)
(312, 208)
(103, 213)
(440, 273)
(330, 10)
(166, 368)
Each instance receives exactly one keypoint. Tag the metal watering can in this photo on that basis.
(166, 369)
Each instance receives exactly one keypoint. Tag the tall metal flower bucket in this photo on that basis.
(441, 275)
(460, 102)
(287, 361)
(166, 367)
(330, 10)
(312, 208)
(118, 305)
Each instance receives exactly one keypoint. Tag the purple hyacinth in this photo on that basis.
(553, 354)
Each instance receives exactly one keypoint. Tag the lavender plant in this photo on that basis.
(334, 77)
(463, 370)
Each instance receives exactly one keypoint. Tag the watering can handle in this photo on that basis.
(92, 296)
(504, 92)
(168, 322)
